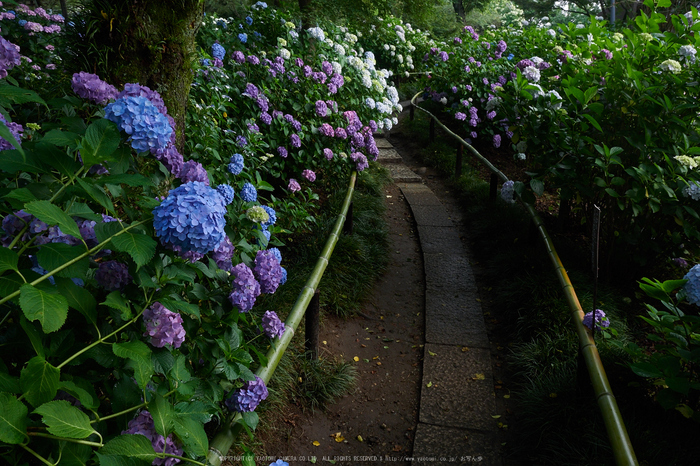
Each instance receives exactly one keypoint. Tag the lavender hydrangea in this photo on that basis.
(507, 191)
(248, 397)
(192, 217)
(236, 164)
(321, 108)
(137, 90)
(309, 175)
(163, 326)
(293, 185)
(143, 424)
(193, 171)
(9, 57)
(600, 320)
(15, 128)
(268, 271)
(245, 288)
(223, 255)
(282, 151)
(692, 286)
(91, 87)
(248, 193)
(112, 275)
(170, 157)
(273, 327)
(147, 127)
(295, 140)
(328, 153)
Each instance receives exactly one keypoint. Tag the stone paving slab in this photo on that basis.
(400, 173)
(459, 447)
(389, 156)
(432, 216)
(419, 195)
(454, 319)
(448, 272)
(382, 142)
(461, 388)
(435, 239)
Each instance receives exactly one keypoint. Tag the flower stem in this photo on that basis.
(64, 439)
(38, 456)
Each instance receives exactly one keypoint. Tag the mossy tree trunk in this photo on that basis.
(152, 43)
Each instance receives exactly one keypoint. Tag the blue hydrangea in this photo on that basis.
(192, 217)
(218, 51)
(692, 190)
(249, 193)
(692, 287)
(283, 280)
(226, 192)
(236, 164)
(273, 216)
(146, 126)
(248, 397)
(507, 191)
(248, 20)
(243, 37)
(205, 62)
(276, 252)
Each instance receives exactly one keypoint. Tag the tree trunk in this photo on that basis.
(64, 9)
(152, 43)
(459, 9)
(305, 9)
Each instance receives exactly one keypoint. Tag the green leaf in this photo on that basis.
(82, 210)
(57, 158)
(9, 137)
(8, 260)
(65, 420)
(593, 121)
(36, 337)
(101, 140)
(251, 419)
(115, 300)
(645, 369)
(670, 285)
(678, 384)
(21, 194)
(13, 161)
(179, 371)
(132, 350)
(180, 306)
(654, 291)
(49, 309)
(663, 3)
(53, 215)
(54, 255)
(163, 415)
(78, 298)
(96, 193)
(39, 381)
(19, 95)
(13, 419)
(60, 138)
(9, 383)
(140, 247)
(82, 390)
(75, 454)
(191, 433)
(134, 446)
(200, 411)
(537, 186)
(126, 178)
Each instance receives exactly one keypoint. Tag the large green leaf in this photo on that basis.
(126, 178)
(179, 371)
(251, 419)
(36, 336)
(49, 309)
(143, 371)
(645, 369)
(82, 390)
(21, 194)
(65, 420)
(75, 454)
(140, 247)
(135, 447)
(163, 415)
(19, 95)
(191, 433)
(101, 140)
(97, 194)
(9, 383)
(39, 381)
(198, 410)
(8, 259)
(13, 161)
(54, 255)
(13, 419)
(78, 298)
(60, 138)
(57, 158)
(53, 215)
(139, 355)
(9, 137)
(115, 300)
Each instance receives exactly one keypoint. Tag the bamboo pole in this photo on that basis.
(614, 424)
(222, 441)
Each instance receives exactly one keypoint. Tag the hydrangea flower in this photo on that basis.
(223, 254)
(91, 87)
(671, 65)
(532, 74)
(268, 271)
(257, 214)
(249, 193)
(276, 252)
(146, 126)
(328, 153)
(309, 175)
(9, 56)
(192, 217)
(193, 171)
(272, 216)
(171, 158)
(137, 90)
(692, 190)
(226, 191)
(15, 128)
(293, 185)
(143, 424)
(600, 320)
(692, 286)
(236, 164)
(282, 151)
(496, 141)
(321, 108)
(243, 37)
(507, 191)
(163, 326)
(273, 327)
(112, 275)
(245, 288)
(248, 397)
(218, 51)
(295, 140)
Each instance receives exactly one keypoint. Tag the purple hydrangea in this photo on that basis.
(273, 327)
(143, 424)
(507, 191)
(266, 118)
(91, 87)
(248, 397)
(9, 56)
(293, 185)
(238, 56)
(282, 151)
(192, 217)
(321, 108)
(223, 255)
(496, 141)
(15, 128)
(170, 157)
(236, 164)
(147, 127)
(309, 175)
(249, 193)
(692, 286)
(341, 133)
(328, 153)
(326, 130)
(112, 275)
(460, 116)
(600, 320)
(193, 171)
(295, 140)
(241, 141)
(245, 288)
(137, 90)
(163, 326)
(226, 191)
(253, 60)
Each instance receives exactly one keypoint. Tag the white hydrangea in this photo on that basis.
(551, 32)
(388, 124)
(370, 103)
(395, 120)
(294, 35)
(580, 26)
(690, 162)
(337, 67)
(366, 79)
(317, 33)
(532, 74)
(556, 105)
(671, 65)
(687, 52)
(521, 146)
(339, 50)
(380, 125)
(286, 54)
(398, 108)
(443, 101)
(281, 42)
(399, 57)
(536, 60)
(386, 46)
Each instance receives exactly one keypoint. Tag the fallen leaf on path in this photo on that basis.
(338, 437)
(496, 416)
(325, 342)
(356, 358)
(479, 377)
(431, 353)
(430, 384)
(506, 396)
(359, 437)
(316, 443)
(398, 448)
(465, 349)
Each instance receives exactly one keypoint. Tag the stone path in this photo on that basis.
(457, 399)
